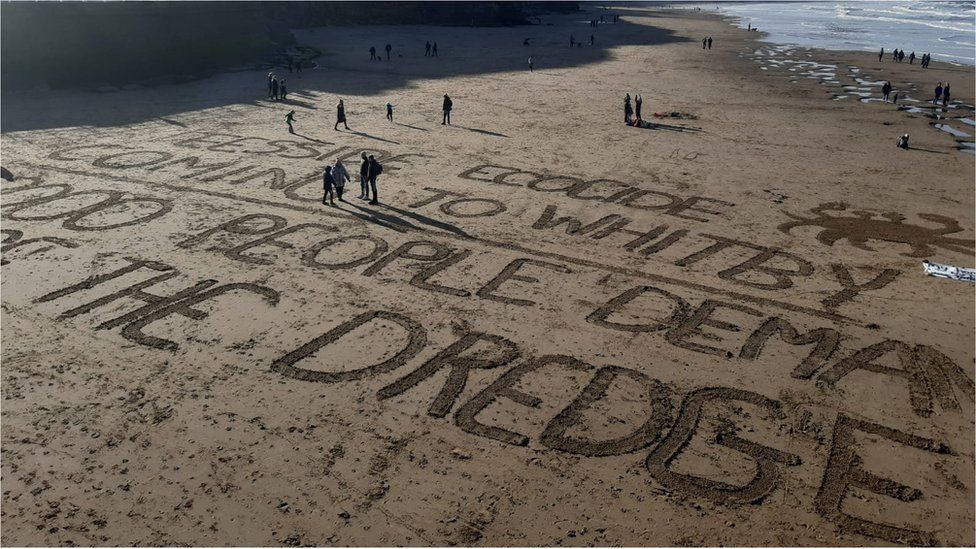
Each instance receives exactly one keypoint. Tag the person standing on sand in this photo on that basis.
(945, 93)
(885, 91)
(284, 90)
(448, 105)
(328, 184)
(901, 55)
(340, 175)
(530, 63)
(289, 118)
(340, 116)
(938, 92)
(911, 58)
(389, 48)
(881, 54)
(274, 88)
(704, 42)
(375, 169)
(298, 65)
(637, 106)
(592, 39)
(364, 178)
(389, 112)
(270, 80)
(709, 42)
(372, 53)
(434, 49)
(572, 41)
(427, 49)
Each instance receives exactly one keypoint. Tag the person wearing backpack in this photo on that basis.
(375, 169)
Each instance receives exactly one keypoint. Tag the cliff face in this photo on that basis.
(82, 43)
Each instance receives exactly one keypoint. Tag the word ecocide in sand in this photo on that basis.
(663, 422)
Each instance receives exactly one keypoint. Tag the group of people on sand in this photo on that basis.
(632, 114)
(899, 55)
(707, 42)
(447, 106)
(430, 50)
(335, 176)
(277, 89)
(942, 92)
(574, 43)
(602, 19)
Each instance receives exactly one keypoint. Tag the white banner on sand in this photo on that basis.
(948, 271)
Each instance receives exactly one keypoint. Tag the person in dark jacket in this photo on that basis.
(274, 88)
(434, 50)
(289, 118)
(375, 169)
(885, 91)
(389, 48)
(448, 105)
(364, 178)
(340, 116)
(427, 50)
(328, 185)
(372, 53)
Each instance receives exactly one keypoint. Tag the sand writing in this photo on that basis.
(156, 307)
(14, 239)
(865, 225)
(695, 208)
(83, 210)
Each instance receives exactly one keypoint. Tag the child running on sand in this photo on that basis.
(289, 118)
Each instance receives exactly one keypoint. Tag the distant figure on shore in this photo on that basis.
(911, 58)
(530, 63)
(945, 93)
(283, 93)
(637, 107)
(704, 42)
(592, 39)
(298, 65)
(364, 177)
(434, 49)
(389, 112)
(270, 80)
(901, 55)
(926, 59)
(572, 41)
(894, 101)
(894, 55)
(341, 175)
(749, 28)
(709, 42)
(340, 116)
(885, 91)
(289, 118)
(525, 42)
(938, 92)
(427, 49)
(903, 142)
(375, 169)
(274, 88)
(328, 184)
(372, 53)
(628, 110)
(388, 49)
(881, 54)
(448, 105)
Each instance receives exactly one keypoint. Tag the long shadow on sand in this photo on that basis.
(364, 134)
(495, 54)
(486, 132)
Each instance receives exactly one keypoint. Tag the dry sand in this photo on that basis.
(385, 375)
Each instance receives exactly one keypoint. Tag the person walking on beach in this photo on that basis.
(704, 42)
(530, 63)
(274, 88)
(372, 53)
(709, 42)
(427, 49)
(945, 95)
(434, 50)
(375, 169)
(885, 91)
(881, 55)
(270, 80)
(284, 90)
(328, 184)
(938, 92)
(289, 118)
(298, 65)
(628, 110)
(340, 116)
(637, 106)
(448, 105)
(364, 178)
(572, 41)
(592, 39)
(389, 112)
(911, 58)
(901, 55)
(388, 48)
(341, 175)
(894, 101)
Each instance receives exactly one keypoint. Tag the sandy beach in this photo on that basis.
(554, 329)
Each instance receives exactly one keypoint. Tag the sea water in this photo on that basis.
(946, 29)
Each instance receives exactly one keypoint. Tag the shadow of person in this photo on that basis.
(657, 126)
(486, 132)
(385, 218)
(311, 139)
(296, 102)
(429, 221)
(412, 127)
(364, 134)
(370, 217)
(926, 150)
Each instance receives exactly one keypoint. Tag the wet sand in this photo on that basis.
(555, 329)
